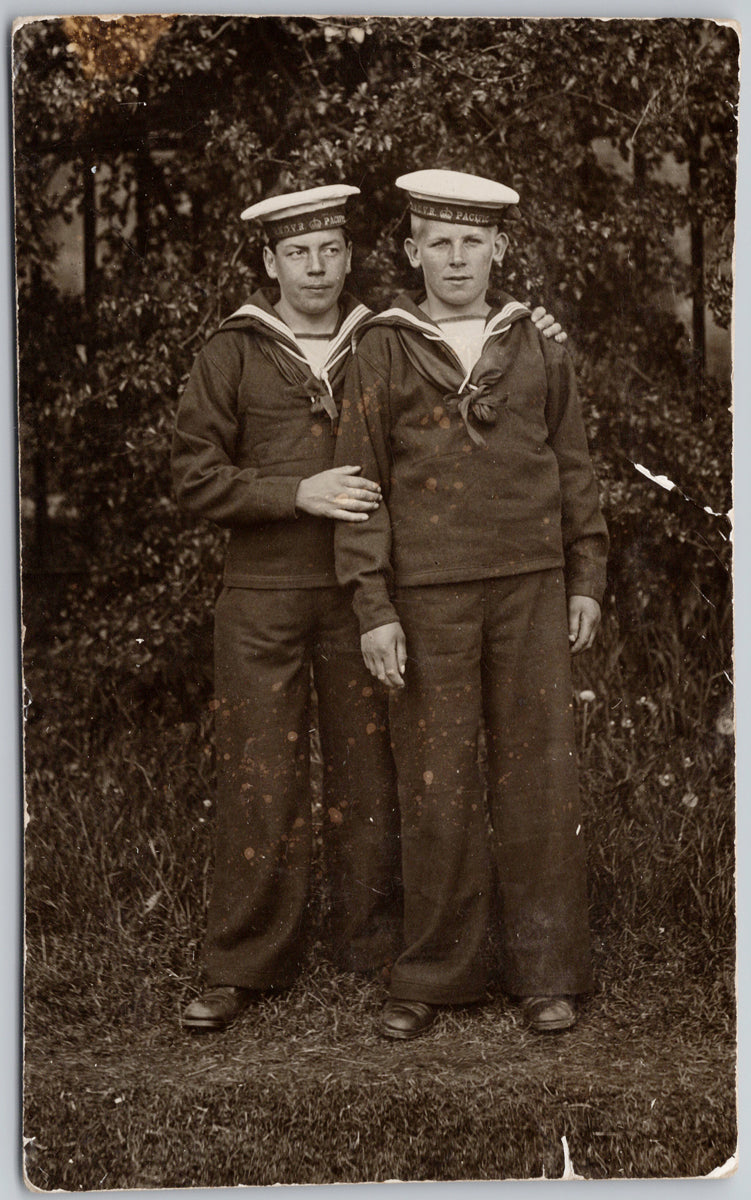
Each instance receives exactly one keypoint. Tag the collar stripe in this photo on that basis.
(284, 336)
(499, 324)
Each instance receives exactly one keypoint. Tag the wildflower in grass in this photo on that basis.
(648, 703)
(627, 723)
(690, 799)
(586, 697)
(666, 779)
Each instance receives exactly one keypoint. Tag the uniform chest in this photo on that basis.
(281, 417)
(511, 385)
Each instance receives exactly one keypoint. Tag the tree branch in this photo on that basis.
(579, 96)
(651, 99)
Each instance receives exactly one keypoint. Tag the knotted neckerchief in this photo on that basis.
(430, 353)
(476, 399)
(279, 344)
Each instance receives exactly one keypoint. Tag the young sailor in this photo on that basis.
(254, 452)
(475, 579)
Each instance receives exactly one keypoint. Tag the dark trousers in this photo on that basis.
(495, 649)
(265, 643)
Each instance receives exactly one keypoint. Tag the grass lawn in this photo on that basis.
(302, 1089)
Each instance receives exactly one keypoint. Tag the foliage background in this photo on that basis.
(137, 142)
(148, 135)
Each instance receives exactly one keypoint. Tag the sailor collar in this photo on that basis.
(259, 315)
(406, 314)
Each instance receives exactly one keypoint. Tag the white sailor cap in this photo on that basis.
(456, 197)
(302, 212)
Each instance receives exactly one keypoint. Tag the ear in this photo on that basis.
(413, 252)
(500, 246)
(269, 262)
(348, 267)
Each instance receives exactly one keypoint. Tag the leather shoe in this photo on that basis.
(216, 1008)
(548, 1014)
(406, 1018)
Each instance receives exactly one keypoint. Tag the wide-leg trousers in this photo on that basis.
(265, 642)
(493, 651)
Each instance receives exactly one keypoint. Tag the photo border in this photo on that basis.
(10, 843)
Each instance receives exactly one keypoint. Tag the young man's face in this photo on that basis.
(455, 261)
(310, 269)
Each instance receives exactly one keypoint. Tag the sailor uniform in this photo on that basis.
(255, 419)
(490, 519)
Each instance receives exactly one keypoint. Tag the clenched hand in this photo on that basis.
(583, 622)
(385, 653)
(338, 493)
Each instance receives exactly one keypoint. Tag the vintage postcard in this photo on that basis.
(374, 410)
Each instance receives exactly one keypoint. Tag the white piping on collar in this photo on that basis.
(498, 325)
(338, 347)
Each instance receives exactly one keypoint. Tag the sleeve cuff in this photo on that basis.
(585, 585)
(275, 497)
(373, 606)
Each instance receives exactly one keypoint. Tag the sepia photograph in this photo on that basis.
(375, 429)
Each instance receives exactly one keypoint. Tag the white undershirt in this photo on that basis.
(464, 334)
(315, 347)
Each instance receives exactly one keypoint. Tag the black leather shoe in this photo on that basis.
(406, 1018)
(216, 1009)
(548, 1014)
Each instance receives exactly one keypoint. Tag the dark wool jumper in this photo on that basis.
(523, 499)
(250, 427)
